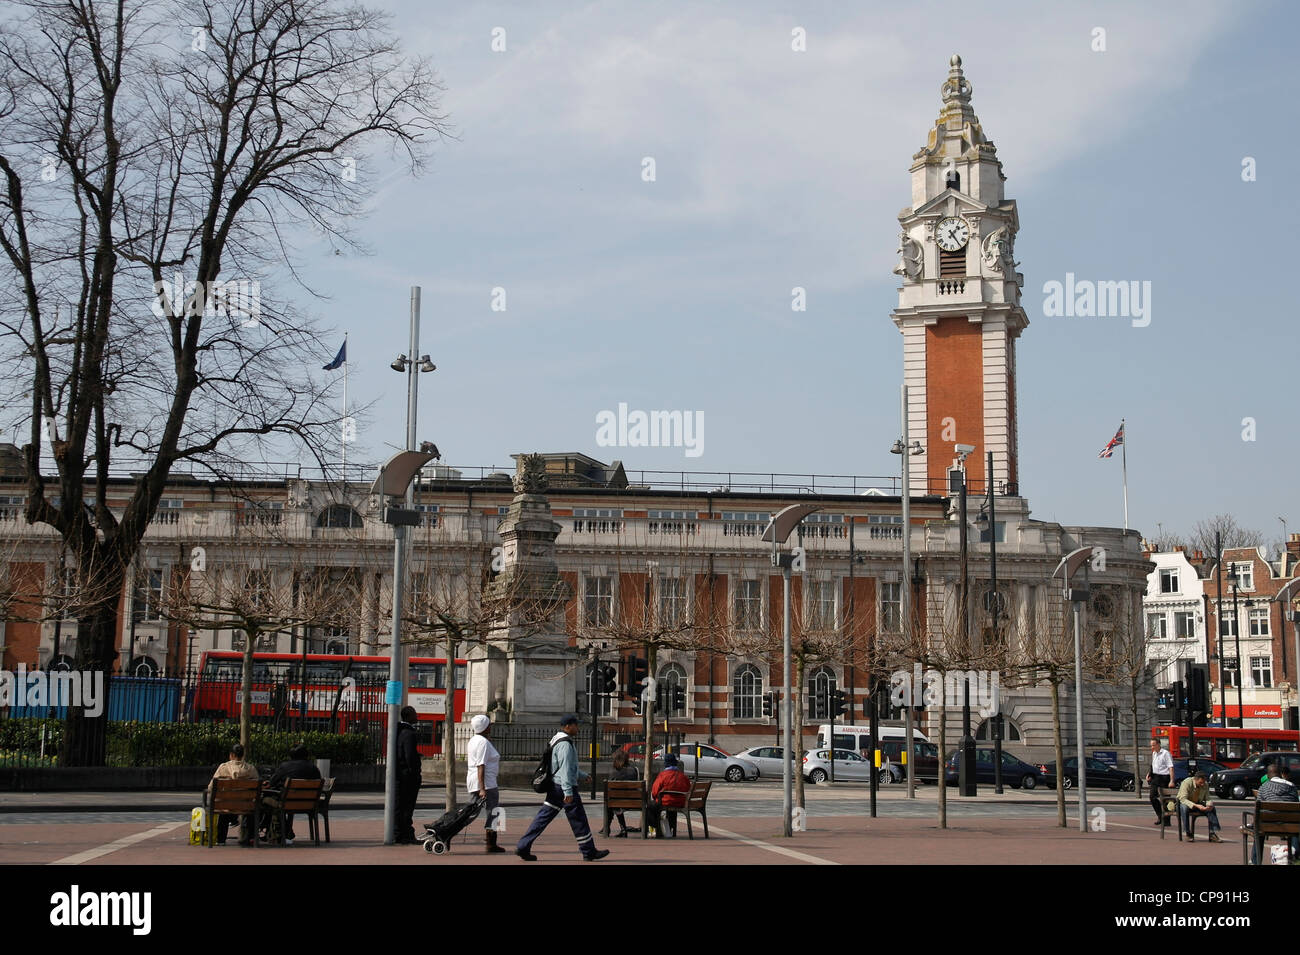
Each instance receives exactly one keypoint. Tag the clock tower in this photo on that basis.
(959, 304)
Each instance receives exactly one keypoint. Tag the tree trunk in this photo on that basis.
(1137, 752)
(1060, 753)
(449, 735)
(246, 694)
(647, 718)
(85, 738)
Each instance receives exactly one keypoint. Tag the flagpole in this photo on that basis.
(343, 425)
(1123, 458)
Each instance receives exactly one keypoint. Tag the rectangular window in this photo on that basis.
(169, 511)
(749, 605)
(1184, 624)
(824, 525)
(1228, 671)
(1157, 626)
(1112, 724)
(821, 604)
(1169, 581)
(885, 526)
(598, 602)
(1244, 573)
(148, 596)
(430, 512)
(891, 607)
(1259, 622)
(672, 602)
(1227, 622)
(1261, 671)
(744, 523)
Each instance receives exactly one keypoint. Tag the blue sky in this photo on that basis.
(776, 169)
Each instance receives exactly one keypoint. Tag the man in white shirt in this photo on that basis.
(1161, 773)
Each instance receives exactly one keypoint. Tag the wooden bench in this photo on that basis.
(623, 794)
(1269, 819)
(1168, 796)
(696, 801)
(299, 796)
(234, 797)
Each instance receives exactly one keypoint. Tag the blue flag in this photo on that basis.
(339, 359)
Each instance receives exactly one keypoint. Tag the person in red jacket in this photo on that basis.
(668, 793)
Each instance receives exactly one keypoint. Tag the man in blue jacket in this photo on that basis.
(563, 796)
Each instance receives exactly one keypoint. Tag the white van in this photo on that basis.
(858, 738)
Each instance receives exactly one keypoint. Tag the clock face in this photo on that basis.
(952, 233)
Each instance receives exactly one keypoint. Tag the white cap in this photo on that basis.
(479, 723)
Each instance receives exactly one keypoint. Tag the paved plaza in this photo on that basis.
(745, 826)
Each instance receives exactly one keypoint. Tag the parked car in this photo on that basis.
(924, 755)
(1099, 775)
(1016, 773)
(713, 762)
(849, 766)
(1239, 783)
(769, 760)
(635, 752)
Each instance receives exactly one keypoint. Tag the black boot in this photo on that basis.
(490, 841)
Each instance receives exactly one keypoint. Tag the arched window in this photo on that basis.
(747, 692)
(820, 681)
(670, 677)
(338, 515)
(1010, 731)
(142, 666)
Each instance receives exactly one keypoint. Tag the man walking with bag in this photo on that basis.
(563, 796)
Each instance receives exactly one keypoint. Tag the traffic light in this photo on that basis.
(767, 704)
(1176, 699)
(597, 680)
(638, 668)
(1198, 692)
(837, 703)
(679, 698)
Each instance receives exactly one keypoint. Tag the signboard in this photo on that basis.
(1108, 756)
(428, 704)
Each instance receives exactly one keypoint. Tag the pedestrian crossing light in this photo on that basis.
(679, 699)
(767, 704)
(837, 703)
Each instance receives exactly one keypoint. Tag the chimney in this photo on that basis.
(1179, 548)
(1293, 545)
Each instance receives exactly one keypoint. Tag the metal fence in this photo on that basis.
(523, 743)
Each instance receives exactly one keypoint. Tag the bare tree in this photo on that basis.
(1229, 531)
(130, 164)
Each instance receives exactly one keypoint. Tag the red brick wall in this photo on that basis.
(954, 383)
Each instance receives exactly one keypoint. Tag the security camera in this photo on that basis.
(964, 448)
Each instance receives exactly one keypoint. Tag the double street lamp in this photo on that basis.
(1070, 564)
(1285, 596)
(905, 449)
(778, 531)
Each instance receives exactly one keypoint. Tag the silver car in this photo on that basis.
(848, 766)
(713, 762)
(770, 760)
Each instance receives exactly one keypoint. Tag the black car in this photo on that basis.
(1099, 775)
(1015, 772)
(1239, 783)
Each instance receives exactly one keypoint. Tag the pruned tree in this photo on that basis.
(259, 598)
(1122, 673)
(141, 177)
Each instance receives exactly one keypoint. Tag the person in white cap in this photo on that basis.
(481, 777)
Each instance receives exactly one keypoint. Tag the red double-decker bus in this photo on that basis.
(338, 694)
(1227, 745)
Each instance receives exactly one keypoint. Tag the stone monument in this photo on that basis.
(526, 673)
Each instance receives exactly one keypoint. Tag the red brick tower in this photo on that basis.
(959, 304)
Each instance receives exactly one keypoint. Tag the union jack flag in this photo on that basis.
(1115, 442)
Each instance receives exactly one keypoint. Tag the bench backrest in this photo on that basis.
(624, 793)
(234, 796)
(699, 793)
(1277, 818)
(301, 795)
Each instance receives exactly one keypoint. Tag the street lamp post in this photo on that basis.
(1236, 633)
(1284, 596)
(966, 772)
(1068, 566)
(778, 531)
(393, 482)
(988, 515)
(904, 448)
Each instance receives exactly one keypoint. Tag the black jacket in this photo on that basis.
(408, 757)
(294, 769)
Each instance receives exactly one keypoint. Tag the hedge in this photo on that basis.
(132, 743)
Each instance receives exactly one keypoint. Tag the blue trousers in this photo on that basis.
(551, 808)
(1212, 815)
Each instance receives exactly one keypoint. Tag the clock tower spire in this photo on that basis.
(959, 304)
